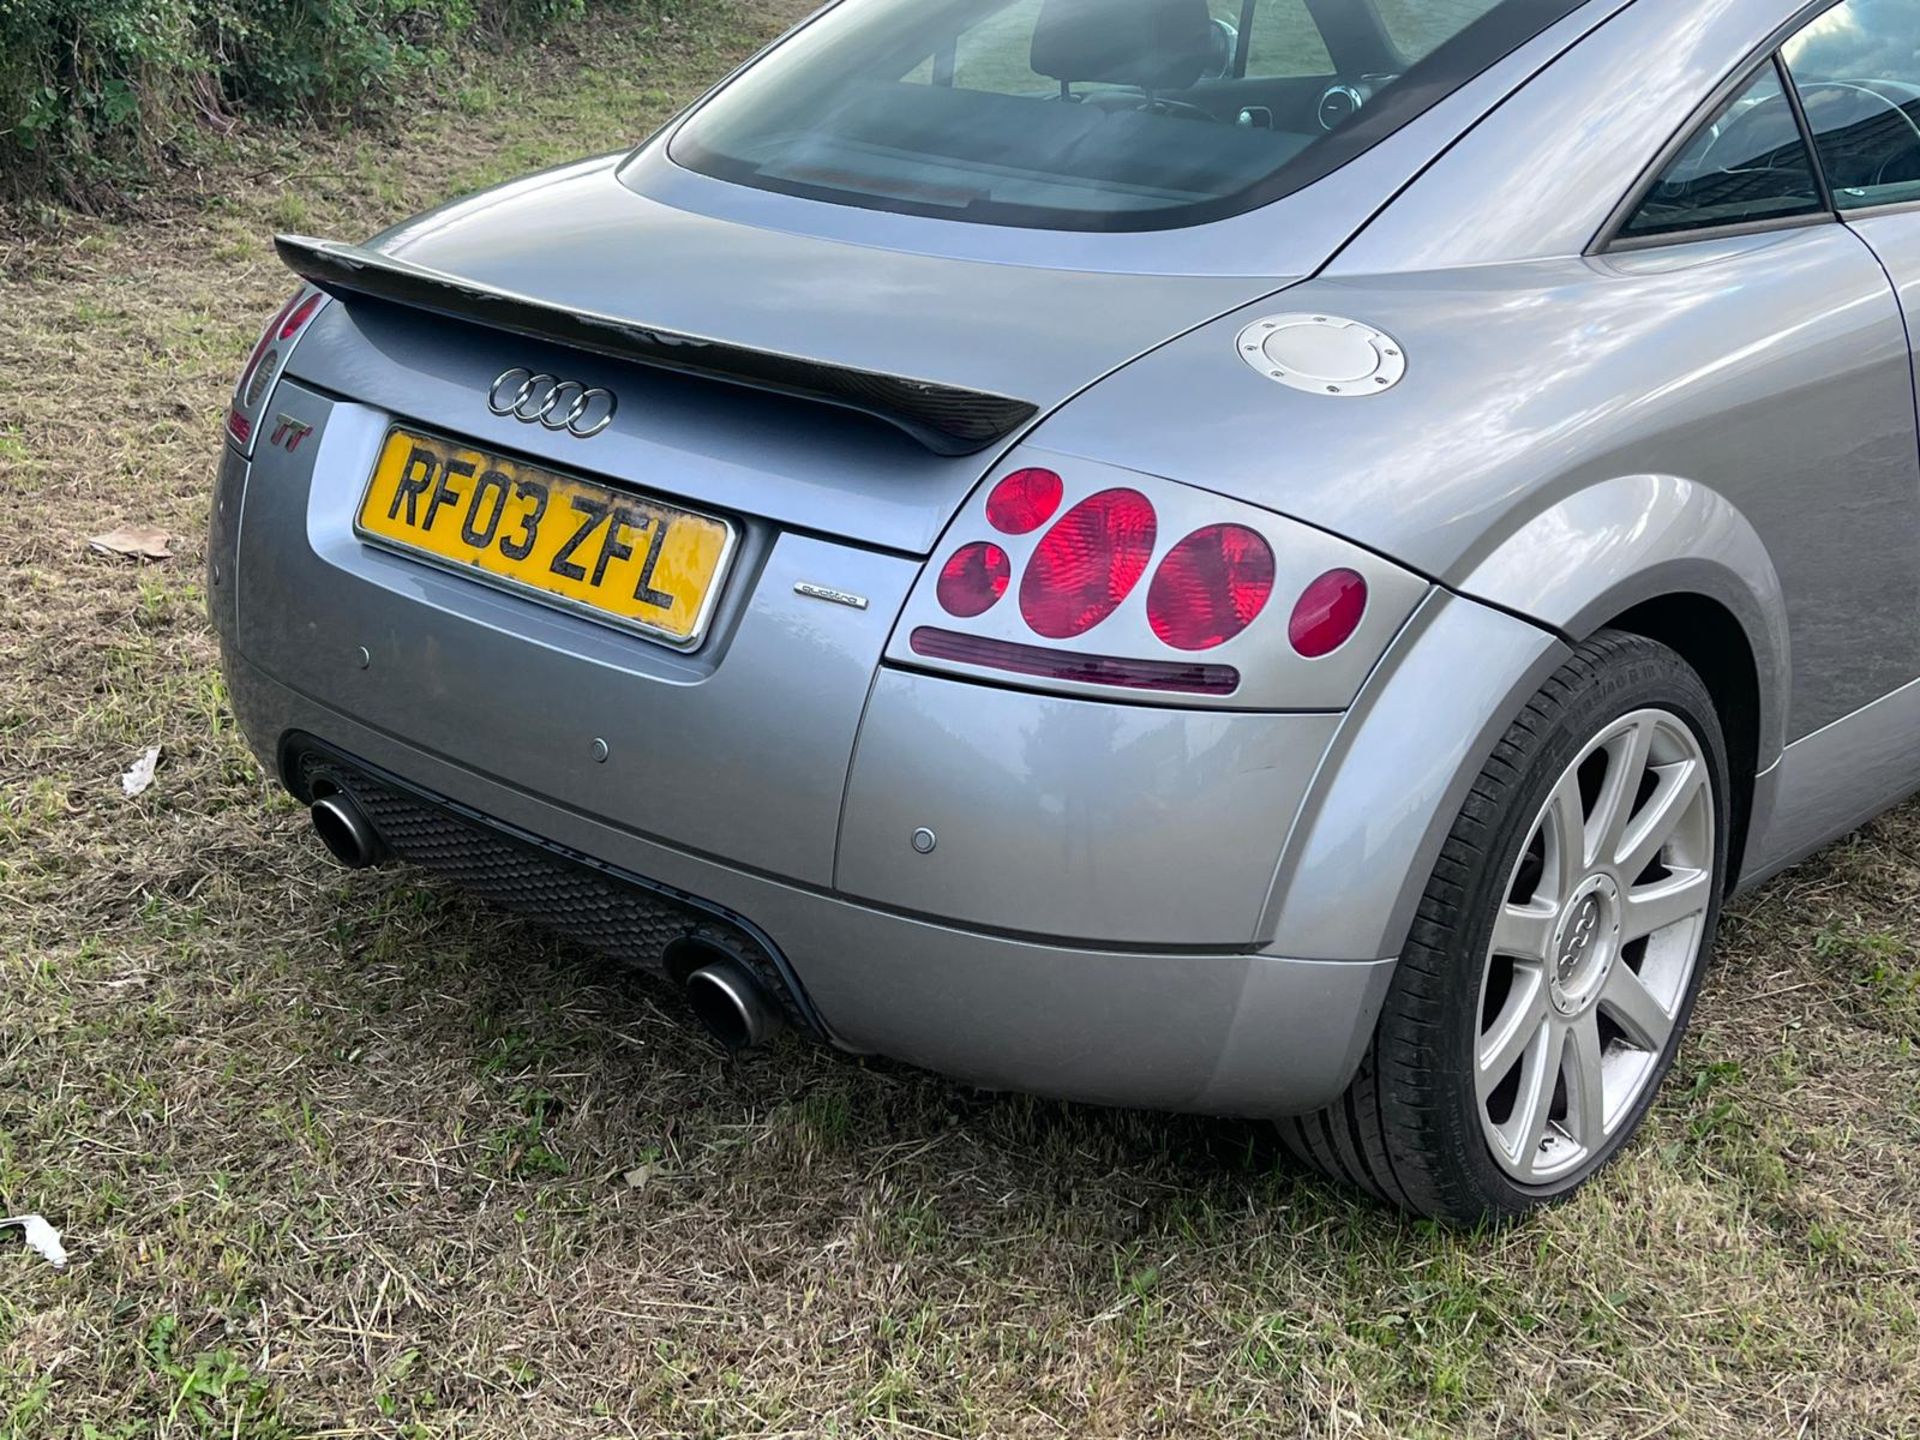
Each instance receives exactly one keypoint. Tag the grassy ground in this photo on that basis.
(345, 1155)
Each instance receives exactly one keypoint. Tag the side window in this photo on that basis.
(1857, 68)
(1286, 42)
(997, 54)
(1749, 164)
(1419, 27)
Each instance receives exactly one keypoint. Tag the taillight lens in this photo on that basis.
(1024, 501)
(1087, 564)
(1327, 613)
(1210, 587)
(973, 579)
(239, 425)
(1187, 677)
(265, 363)
(1067, 576)
(296, 315)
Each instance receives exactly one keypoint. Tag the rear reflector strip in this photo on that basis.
(1182, 678)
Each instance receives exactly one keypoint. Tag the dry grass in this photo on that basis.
(345, 1154)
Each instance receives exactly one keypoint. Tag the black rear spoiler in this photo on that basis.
(945, 418)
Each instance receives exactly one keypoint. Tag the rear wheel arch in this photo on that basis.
(1418, 1123)
(1711, 639)
(1657, 555)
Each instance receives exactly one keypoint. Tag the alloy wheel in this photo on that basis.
(1594, 948)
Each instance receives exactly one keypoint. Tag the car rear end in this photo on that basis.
(928, 830)
(951, 747)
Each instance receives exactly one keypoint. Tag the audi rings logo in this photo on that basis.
(534, 398)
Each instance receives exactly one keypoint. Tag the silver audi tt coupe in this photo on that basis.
(1269, 557)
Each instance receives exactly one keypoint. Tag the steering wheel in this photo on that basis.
(1181, 109)
(1760, 110)
(1850, 89)
(1144, 104)
(1859, 90)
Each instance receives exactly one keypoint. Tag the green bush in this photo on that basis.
(91, 89)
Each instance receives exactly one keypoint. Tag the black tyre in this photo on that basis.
(1556, 954)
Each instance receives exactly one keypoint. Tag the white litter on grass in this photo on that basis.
(41, 1236)
(641, 1175)
(136, 780)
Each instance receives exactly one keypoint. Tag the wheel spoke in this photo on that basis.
(1519, 1026)
(1652, 908)
(1627, 757)
(1586, 1083)
(1659, 818)
(1566, 827)
(1524, 932)
(1635, 1010)
(1526, 1128)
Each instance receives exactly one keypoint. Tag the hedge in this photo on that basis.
(90, 90)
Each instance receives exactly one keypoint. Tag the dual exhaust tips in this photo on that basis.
(727, 997)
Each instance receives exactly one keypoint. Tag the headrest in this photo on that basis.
(1149, 44)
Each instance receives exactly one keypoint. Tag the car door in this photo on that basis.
(1855, 70)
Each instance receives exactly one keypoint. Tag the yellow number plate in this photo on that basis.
(633, 562)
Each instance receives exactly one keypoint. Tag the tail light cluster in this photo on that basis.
(1087, 563)
(1142, 584)
(265, 364)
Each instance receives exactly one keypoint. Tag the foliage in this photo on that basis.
(90, 90)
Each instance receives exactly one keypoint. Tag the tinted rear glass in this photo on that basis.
(1091, 114)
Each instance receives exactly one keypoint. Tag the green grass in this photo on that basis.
(346, 1154)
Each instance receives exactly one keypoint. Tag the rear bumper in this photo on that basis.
(1218, 1033)
(1118, 892)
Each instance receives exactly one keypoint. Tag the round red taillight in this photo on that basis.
(1024, 501)
(1327, 613)
(1210, 587)
(1087, 564)
(973, 579)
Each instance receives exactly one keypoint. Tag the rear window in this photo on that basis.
(1091, 114)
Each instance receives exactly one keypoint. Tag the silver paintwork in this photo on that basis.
(1726, 421)
(831, 595)
(537, 398)
(789, 464)
(251, 402)
(1792, 366)
(700, 756)
(1274, 677)
(1561, 953)
(1834, 780)
(1032, 840)
(1322, 355)
(1209, 1030)
(1397, 774)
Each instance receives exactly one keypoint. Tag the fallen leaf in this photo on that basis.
(641, 1175)
(42, 1237)
(140, 775)
(137, 542)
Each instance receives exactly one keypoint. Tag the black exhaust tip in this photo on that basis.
(346, 832)
(732, 1005)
